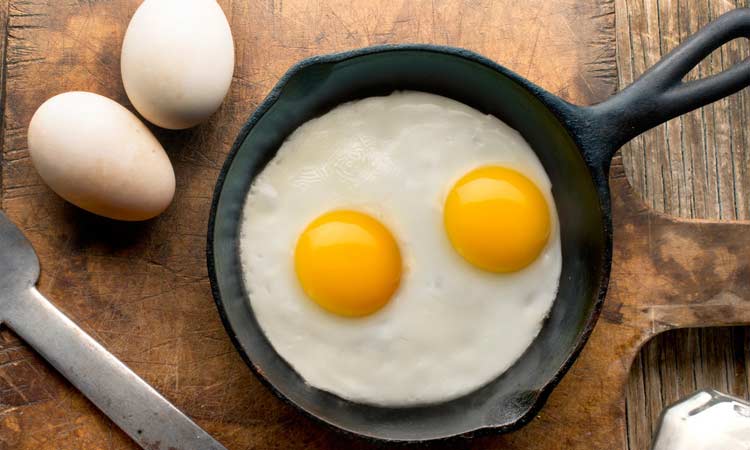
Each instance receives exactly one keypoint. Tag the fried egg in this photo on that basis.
(401, 250)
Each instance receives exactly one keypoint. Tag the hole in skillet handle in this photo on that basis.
(660, 94)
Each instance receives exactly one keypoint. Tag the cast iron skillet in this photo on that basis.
(575, 145)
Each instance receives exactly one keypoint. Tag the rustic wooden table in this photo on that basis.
(142, 289)
(696, 166)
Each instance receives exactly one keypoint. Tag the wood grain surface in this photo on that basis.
(695, 166)
(142, 289)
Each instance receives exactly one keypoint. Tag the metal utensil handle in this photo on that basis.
(130, 402)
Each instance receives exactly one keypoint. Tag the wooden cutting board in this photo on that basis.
(142, 289)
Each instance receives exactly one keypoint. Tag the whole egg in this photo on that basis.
(99, 156)
(177, 61)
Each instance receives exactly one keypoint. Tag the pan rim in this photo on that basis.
(556, 106)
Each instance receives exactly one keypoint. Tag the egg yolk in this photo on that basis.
(348, 263)
(497, 219)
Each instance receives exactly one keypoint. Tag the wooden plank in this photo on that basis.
(3, 41)
(141, 289)
(694, 166)
(638, 425)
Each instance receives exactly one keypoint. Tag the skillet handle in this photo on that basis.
(661, 94)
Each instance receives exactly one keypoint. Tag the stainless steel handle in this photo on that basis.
(130, 402)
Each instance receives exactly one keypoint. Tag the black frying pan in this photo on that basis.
(575, 145)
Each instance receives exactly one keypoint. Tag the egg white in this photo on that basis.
(450, 328)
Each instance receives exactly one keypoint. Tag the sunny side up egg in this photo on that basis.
(369, 256)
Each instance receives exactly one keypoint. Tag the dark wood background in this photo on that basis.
(696, 166)
(142, 290)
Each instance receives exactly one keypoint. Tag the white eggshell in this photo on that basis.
(177, 61)
(99, 156)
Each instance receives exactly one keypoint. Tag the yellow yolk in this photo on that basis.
(348, 263)
(497, 219)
